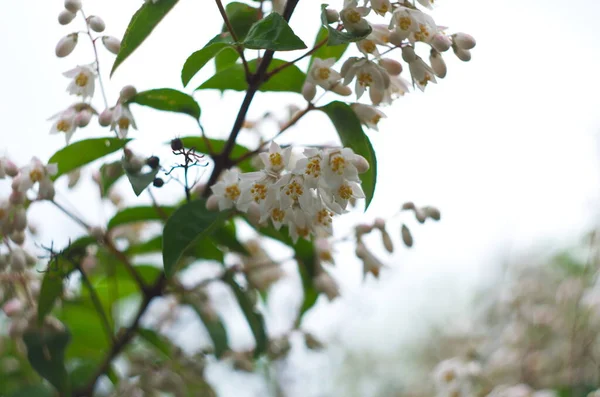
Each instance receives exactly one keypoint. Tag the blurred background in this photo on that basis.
(506, 146)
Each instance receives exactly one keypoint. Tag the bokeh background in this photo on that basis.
(506, 146)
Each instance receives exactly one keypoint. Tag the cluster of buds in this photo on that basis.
(372, 264)
(260, 270)
(304, 195)
(408, 25)
(83, 77)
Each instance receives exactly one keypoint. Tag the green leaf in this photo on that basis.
(139, 181)
(226, 236)
(158, 341)
(139, 214)
(46, 353)
(141, 25)
(226, 58)
(58, 269)
(33, 391)
(109, 175)
(273, 33)
(233, 78)
(335, 36)
(198, 59)
(327, 51)
(83, 152)
(199, 144)
(82, 373)
(169, 100)
(188, 223)
(352, 135)
(242, 17)
(253, 316)
(89, 338)
(214, 326)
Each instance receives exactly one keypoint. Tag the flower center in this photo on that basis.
(232, 192)
(63, 126)
(338, 164)
(324, 217)
(323, 73)
(275, 159)
(124, 123)
(294, 190)
(423, 33)
(302, 231)
(81, 80)
(375, 119)
(365, 79)
(345, 192)
(36, 175)
(369, 46)
(277, 215)
(405, 23)
(353, 16)
(425, 80)
(449, 376)
(383, 9)
(258, 191)
(313, 168)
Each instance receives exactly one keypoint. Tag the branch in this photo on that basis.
(238, 47)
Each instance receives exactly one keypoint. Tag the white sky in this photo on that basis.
(506, 145)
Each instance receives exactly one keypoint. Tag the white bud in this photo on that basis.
(65, 17)
(66, 45)
(12, 307)
(10, 168)
(396, 38)
(464, 41)
(437, 64)
(105, 117)
(309, 90)
(392, 66)
(462, 54)
(379, 223)
(82, 119)
(212, 204)
(407, 236)
(409, 205)
(342, 90)
(96, 23)
(361, 164)
(112, 44)
(20, 219)
(420, 215)
(127, 93)
(433, 213)
(363, 229)
(326, 284)
(332, 15)
(387, 241)
(18, 237)
(408, 54)
(18, 260)
(73, 5)
(253, 213)
(73, 178)
(441, 42)
(16, 197)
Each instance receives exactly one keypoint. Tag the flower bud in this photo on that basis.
(97, 232)
(13, 307)
(18, 260)
(212, 204)
(407, 236)
(66, 45)
(112, 44)
(105, 117)
(379, 223)
(127, 93)
(332, 15)
(73, 5)
(409, 205)
(432, 213)
(420, 215)
(10, 168)
(153, 162)
(254, 214)
(392, 66)
(462, 54)
(342, 90)
(437, 64)
(361, 164)
(396, 38)
(73, 178)
(65, 17)
(363, 229)
(20, 219)
(46, 190)
(83, 118)
(309, 90)
(441, 42)
(16, 197)
(387, 241)
(463, 41)
(408, 54)
(326, 284)
(96, 23)
(18, 237)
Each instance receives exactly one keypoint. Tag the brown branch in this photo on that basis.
(238, 47)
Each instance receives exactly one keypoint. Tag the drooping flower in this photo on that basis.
(276, 159)
(368, 115)
(353, 17)
(65, 123)
(368, 75)
(36, 172)
(227, 190)
(83, 82)
(322, 74)
(122, 119)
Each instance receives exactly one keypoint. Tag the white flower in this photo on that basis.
(398, 87)
(310, 166)
(276, 159)
(256, 187)
(322, 74)
(353, 17)
(421, 73)
(227, 190)
(35, 172)
(368, 115)
(83, 82)
(368, 75)
(276, 212)
(380, 34)
(65, 123)
(368, 46)
(339, 164)
(122, 119)
(292, 191)
(323, 221)
(337, 194)
(426, 3)
(298, 222)
(380, 6)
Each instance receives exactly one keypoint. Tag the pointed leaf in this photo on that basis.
(273, 33)
(46, 354)
(188, 223)
(141, 25)
(83, 152)
(352, 135)
(139, 181)
(198, 59)
(169, 100)
(242, 17)
(214, 326)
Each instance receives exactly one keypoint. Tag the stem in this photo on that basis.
(72, 216)
(222, 161)
(290, 63)
(238, 47)
(89, 33)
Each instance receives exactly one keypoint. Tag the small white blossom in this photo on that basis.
(381, 7)
(83, 82)
(353, 17)
(227, 190)
(421, 73)
(322, 74)
(65, 123)
(368, 115)
(122, 119)
(368, 75)
(276, 159)
(33, 173)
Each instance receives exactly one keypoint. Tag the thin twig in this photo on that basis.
(290, 63)
(74, 217)
(238, 47)
(89, 33)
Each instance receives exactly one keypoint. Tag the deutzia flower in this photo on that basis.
(337, 194)
(36, 172)
(292, 191)
(299, 223)
(322, 74)
(256, 188)
(340, 165)
(122, 119)
(353, 17)
(368, 75)
(380, 6)
(65, 123)
(227, 190)
(368, 115)
(421, 73)
(7, 167)
(398, 87)
(83, 81)
(276, 159)
(310, 166)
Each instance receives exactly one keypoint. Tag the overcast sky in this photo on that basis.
(506, 146)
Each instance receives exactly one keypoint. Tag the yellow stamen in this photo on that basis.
(232, 192)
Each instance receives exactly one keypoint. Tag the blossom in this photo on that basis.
(36, 172)
(339, 164)
(338, 194)
(65, 123)
(368, 75)
(83, 82)
(353, 17)
(227, 190)
(398, 87)
(310, 166)
(381, 7)
(421, 73)
(368, 115)
(322, 74)
(276, 159)
(122, 119)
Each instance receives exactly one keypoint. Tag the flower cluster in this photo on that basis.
(303, 195)
(375, 73)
